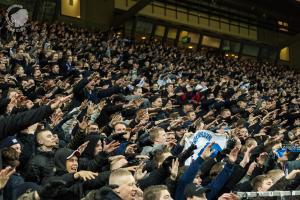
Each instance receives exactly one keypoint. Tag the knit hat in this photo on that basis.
(193, 190)
(26, 190)
(8, 141)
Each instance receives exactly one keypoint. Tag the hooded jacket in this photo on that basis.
(90, 161)
(74, 188)
(60, 159)
(93, 139)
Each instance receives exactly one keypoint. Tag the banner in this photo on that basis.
(201, 139)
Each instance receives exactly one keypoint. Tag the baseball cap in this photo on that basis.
(193, 190)
(74, 153)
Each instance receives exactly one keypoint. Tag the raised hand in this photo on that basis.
(101, 105)
(90, 109)
(116, 118)
(174, 169)
(59, 101)
(207, 152)
(228, 196)
(233, 154)
(137, 102)
(85, 175)
(108, 148)
(56, 117)
(251, 168)
(186, 135)
(5, 175)
(293, 174)
(247, 155)
(31, 129)
(113, 158)
(274, 140)
(83, 105)
(139, 174)
(132, 168)
(262, 158)
(130, 149)
(82, 147)
(83, 124)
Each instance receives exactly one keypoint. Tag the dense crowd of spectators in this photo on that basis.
(92, 115)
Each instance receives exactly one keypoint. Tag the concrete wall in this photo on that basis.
(97, 14)
(295, 55)
(278, 38)
(271, 37)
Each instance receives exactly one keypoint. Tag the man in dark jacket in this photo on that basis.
(96, 154)
(41, 166)
(77, 183)
(13, 124)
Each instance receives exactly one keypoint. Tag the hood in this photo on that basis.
(60, 158)
(90, 149)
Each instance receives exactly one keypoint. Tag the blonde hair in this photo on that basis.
(154, 133)
(116, 175)
(275, 174)
(258, 181)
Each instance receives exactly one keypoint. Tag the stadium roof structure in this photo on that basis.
(261, 13)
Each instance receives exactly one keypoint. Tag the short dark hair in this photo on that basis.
(154, 192)
(10, 157)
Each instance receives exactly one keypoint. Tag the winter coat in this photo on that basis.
(12, 124)
(14, 182)
(89, 161)
(74, 188)
(40, 167)
(28, 148)
(104, 193)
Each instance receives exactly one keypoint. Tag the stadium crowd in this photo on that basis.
(92, 115)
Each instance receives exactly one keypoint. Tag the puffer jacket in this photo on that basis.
(40, 167)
